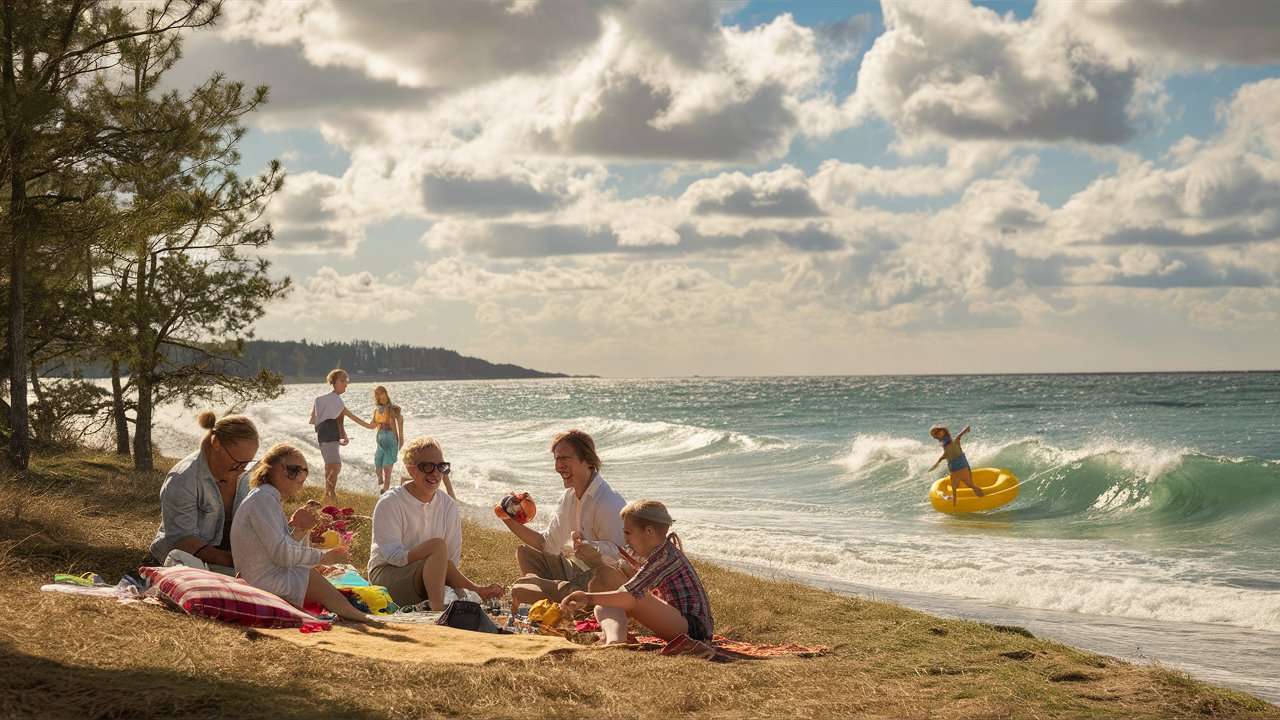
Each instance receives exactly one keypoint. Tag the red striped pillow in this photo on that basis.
(204, 592)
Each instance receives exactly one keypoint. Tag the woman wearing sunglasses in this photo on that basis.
(417, 534)
(201, 493)
(268, 549)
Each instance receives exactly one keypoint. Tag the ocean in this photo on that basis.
(1146, 527)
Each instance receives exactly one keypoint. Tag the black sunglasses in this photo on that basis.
(427, 467)
(239, 464)
(291, 471)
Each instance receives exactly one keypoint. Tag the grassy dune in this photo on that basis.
(69, 656)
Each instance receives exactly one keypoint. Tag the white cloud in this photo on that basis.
(1219, 191)
(451, 44)
(780, 193)
(953, 70)
(329, 301)
(547, 157)
(1182, 31)
(308, 216)
(842, 183)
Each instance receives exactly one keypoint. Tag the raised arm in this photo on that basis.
(963, 432)
(347, 413)
(527, 535)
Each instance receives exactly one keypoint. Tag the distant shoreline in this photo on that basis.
(367, 378)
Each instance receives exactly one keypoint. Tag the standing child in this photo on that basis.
(665, 594)
(957, 463)
(327, 413)
(390, 423)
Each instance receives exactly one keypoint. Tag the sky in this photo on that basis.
(633, 189)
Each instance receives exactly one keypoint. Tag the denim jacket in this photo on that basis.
(191, 504)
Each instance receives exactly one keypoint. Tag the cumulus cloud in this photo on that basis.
(1201, 30)
(485, 196)
(620, 80)
(307, 216)
(842, 183)
(953, 70)
(338, 98)
(549, 158)
(453, 44)
(1220, 191)
(781, 193)
(329, 300)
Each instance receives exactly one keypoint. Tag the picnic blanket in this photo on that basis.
(722, 649)
(423, 643)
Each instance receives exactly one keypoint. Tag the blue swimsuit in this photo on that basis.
(958, 462)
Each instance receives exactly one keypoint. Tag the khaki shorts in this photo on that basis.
(329, 451)
(568, 577)
(403, 582)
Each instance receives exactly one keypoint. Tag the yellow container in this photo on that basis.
(998, 487)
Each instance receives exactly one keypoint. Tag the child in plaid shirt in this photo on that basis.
(665, 593)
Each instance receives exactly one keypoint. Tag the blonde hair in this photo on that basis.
(230, 429)
(651, 513)
(417, 445)
(335, 374)
(583, 446)
(278, 452)
(391, 407)
(936, 428)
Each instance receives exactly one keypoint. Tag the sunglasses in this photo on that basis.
(238, 464)
(291, 471)
(427, 467)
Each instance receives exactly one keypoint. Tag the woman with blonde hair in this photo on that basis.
(390, 424)
(201, 492)
(665, 594)
(271, 556)
(416, 550)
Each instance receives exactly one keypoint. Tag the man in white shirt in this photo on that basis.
(585, 534)
(327, 413)
(417, 534)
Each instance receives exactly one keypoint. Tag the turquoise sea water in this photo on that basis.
(1149, 503)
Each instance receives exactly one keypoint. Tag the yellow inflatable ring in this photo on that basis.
(998, 487)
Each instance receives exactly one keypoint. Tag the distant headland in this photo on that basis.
(301, 361)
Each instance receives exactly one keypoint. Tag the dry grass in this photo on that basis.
(69, 656)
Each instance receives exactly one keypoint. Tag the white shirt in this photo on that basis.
(266, 554)
(596, 516)
(402, 522)
(328, 407)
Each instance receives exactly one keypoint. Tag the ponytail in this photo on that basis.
(230, 429)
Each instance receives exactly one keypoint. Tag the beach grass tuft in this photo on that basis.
(75, 656)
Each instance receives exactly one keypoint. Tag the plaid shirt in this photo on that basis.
(668, 571)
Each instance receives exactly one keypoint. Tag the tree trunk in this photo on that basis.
(117, 410)
(19, 438)
(143, 458)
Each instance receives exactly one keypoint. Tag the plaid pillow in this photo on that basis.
(204, 592)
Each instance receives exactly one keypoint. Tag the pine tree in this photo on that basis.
(185, 284)
(49, 52)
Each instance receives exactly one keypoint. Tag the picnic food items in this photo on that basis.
(332, 529)
(516, 505)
